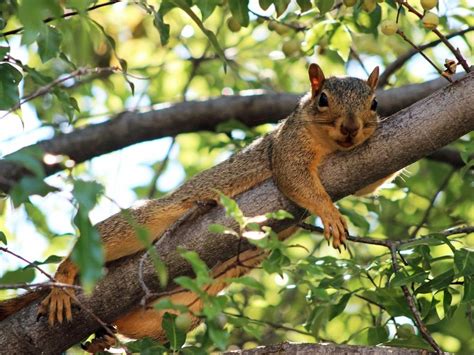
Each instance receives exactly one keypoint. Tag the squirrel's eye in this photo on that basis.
(323, 100)
(373, 107)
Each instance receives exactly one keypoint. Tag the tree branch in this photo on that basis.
(128, 128)
(402, 139)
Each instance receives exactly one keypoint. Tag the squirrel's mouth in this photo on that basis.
(346, 144)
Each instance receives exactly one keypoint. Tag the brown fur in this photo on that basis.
(290, 154)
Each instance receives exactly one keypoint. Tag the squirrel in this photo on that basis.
(338, 114)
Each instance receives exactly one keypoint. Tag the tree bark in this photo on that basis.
(326, 349)
(128, 128)
(401, 140)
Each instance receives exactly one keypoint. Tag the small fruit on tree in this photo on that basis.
(430, 20)
(183, 322)
(233, 24)
(369, 5)
(350, 3)
(428, 4)
(389, 27)
(290, 47)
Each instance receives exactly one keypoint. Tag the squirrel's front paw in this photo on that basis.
(335, 225)
(57, 305)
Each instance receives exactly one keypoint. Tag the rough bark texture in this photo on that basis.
(404, 138)
(326, 349)
(129, 128)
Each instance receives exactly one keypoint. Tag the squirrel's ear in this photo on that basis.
(373, 78)
(316, 77)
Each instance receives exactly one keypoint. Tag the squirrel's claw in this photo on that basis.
(57, 305)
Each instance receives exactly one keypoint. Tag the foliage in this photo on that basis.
(74, 63)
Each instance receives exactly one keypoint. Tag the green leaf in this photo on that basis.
(219, 336)
(165, 303)
(175, 336)
(438, 283)
(88, 252)
(206, 7)
(468, 289)
(324, 5)
(146, 346)
(49, 42)
(3, 238)
(240, 11)
(4, 51)
(52, 259)
(28, 186)
(340, 306)
(219, 228)
(464, 262)
(18, 276)
(358, 220)
(402, 278)
(265, 4)
(413, 341)
(305, 5)
(199, 267)
(340, 41)
(10, 77)
(79, 5)
(279, 215)
(281, 6)
(31, 14)
(30, 158)
(189, 284)
(162, 27)
(247, 281)
(232, 209)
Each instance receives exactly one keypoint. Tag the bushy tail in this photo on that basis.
(13, 305)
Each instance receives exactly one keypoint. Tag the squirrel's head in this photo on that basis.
(343, 108)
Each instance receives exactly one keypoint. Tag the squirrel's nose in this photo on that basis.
(350, 129)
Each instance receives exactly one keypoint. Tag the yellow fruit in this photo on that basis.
(350, 3)
(430, 20)
(369, 5)
(428, 4)
(389, 27)
(290, 47)
(233, 24)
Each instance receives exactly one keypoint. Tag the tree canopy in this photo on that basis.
(109, 102)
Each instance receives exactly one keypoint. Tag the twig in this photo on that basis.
(411, 304)
(432, 202)
(160, 169)
(45, 89)
(66, 291)
(66, 15)
(27, 286)
(443, 39)
(401, 34)
(401, 60)
(271, 324)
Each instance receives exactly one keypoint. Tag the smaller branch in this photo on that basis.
(66, 291)
(455, 51)
(400, 61)
(271, 324)
(39, 285)
(46, 89)
(432, 202)
(418, 49)
(411, 304)
(66, 15)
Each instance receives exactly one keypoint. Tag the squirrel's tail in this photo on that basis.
(13, 305)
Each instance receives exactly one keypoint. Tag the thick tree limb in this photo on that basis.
(402, 139)
(325, 349)
(129, 128)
